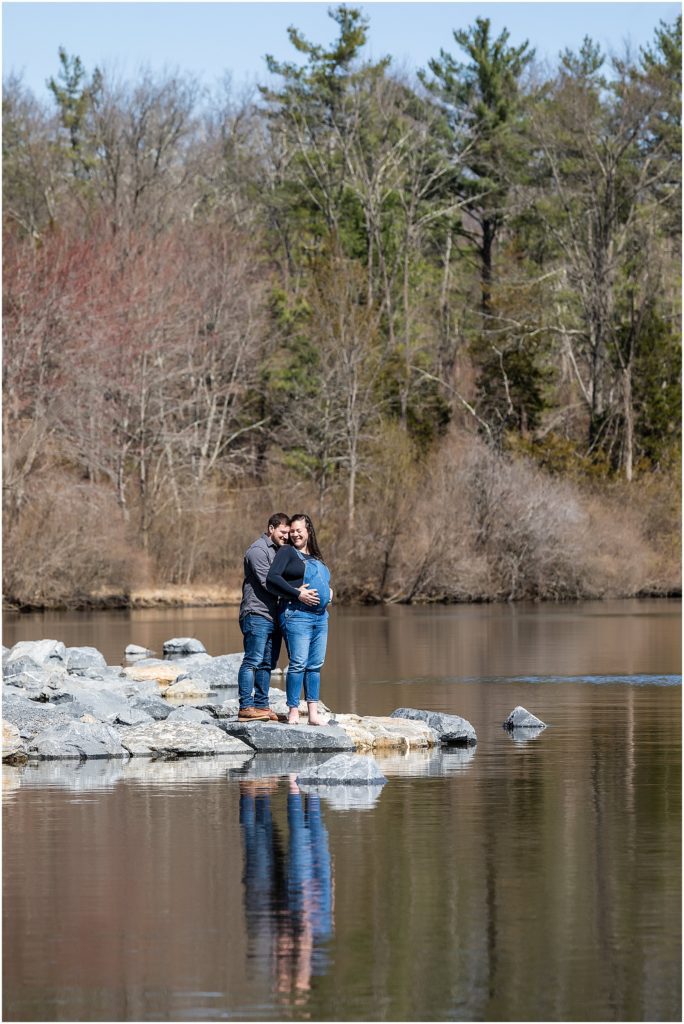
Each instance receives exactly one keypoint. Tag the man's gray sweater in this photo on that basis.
(256, 599)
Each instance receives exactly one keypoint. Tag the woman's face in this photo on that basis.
(299, 535)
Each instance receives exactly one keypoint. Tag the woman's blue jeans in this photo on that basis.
(306, 638)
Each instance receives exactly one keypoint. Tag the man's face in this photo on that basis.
(279, 534)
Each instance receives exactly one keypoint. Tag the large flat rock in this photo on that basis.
(387, 733)
(343, 770)
(180, 739)
(267, 737)
(77, 740)
(451, 729)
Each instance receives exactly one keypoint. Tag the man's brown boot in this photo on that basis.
(253, 715)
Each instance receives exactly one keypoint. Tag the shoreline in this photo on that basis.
(230, 597)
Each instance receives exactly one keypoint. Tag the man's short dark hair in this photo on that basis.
(279, 519)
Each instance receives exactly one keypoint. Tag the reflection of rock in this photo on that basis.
(451, 729)
(179, 739)
(521, 718)
(343, 770)
(345, 798)
(264, 766)
(182, 770)
(267, 737)
(11, 781)
(386, 733)
(437, 762)
(79, 776)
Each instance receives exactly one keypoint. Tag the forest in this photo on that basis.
(438, 312)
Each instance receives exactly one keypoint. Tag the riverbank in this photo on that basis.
(183, 596)
(189, 596)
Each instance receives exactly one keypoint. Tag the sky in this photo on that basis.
(210, 39)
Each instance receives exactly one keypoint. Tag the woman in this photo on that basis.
(300, 576)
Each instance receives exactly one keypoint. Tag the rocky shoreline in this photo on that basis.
(67, 704)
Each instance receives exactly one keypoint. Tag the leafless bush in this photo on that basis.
(483, 526)
(69, 543)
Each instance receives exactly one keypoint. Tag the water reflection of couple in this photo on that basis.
(285, 594)
(288, 896)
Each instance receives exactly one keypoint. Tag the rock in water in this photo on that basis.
(182, 645)
(521, 718)
(343, 770)
(453, 731)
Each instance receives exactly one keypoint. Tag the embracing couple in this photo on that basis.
(285, 595)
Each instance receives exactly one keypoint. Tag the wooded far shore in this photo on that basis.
(440, 313)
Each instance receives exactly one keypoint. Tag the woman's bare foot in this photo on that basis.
(313, 713)
(293, 717)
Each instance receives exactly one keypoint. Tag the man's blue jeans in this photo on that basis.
(261, 637)
(306, 638)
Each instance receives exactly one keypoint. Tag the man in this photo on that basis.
(259, 622)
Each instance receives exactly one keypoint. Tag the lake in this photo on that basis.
(536, 880)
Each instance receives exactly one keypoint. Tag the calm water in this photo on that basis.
(513, 881)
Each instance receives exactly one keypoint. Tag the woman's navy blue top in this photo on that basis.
(286, 574)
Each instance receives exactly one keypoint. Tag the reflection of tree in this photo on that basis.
(288, 897)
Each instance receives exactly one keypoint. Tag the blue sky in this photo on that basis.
(210, 39)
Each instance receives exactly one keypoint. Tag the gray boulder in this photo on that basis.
(77, 740)
(453, 731)
(25, 665)
(14, 749)
(189, 714)
(343, 770)
(40, 652)
(276, 737)
(85, 661)
(227, 709)
(30, 717)
(30, 680)
(103, 703)
(156, 707)
(135, 651)
(216, 672)
(521, 718)
(180, 739)
(180, 646)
